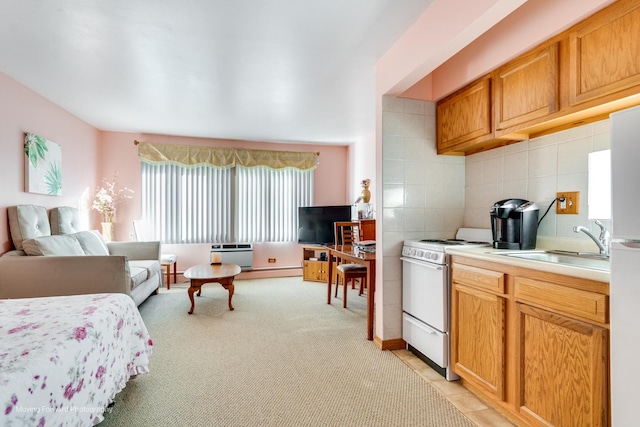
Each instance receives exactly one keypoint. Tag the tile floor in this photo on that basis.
(463, 399)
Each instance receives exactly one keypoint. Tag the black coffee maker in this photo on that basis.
(514, 223)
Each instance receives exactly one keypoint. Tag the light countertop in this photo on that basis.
(488, 253)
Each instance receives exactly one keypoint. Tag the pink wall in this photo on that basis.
(22, 110)
(89, 155)
(119, 154)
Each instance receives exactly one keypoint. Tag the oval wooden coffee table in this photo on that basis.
(211, 273)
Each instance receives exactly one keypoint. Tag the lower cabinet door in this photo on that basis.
(562, 370)
(478, 338)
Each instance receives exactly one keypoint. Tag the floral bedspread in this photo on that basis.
(63, 359)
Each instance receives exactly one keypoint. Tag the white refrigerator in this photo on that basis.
(625, 267)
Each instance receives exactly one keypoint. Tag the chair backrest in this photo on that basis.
(141, 230)
(345, 232)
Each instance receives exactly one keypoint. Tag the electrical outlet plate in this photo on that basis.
(571, 205)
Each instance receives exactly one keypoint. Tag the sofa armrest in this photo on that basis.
(136, 250)
(43, 276)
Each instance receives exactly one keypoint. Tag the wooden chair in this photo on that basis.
(345, 232)
(344, 235)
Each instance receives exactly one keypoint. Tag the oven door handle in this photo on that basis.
(420, 325)
(421, 263)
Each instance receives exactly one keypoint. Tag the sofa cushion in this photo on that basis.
(62, 245)
(27, 222)
(91, 242)
(64, 220)
(140, 271)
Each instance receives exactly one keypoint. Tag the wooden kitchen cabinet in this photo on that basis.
(478, 327)
(603, 53)
(464, 118)
(579, 76)
(561, 376)
(526, 89)
(533, 344)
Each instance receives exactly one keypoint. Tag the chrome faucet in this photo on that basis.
(602, 241)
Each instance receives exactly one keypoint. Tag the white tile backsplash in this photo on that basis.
(393, 149)
(492, 170)
(516, 166)
(536, 170)
(393, 104)
(543, 161)
(393, 171)
(415, 196)
(573, 156)
(414, 106)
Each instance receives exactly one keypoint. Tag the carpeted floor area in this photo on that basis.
(283, 357)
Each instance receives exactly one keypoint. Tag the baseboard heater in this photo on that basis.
(235, 253)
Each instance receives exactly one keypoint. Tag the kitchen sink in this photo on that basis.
(576, 259)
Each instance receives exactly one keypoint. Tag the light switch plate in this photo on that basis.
(571, 205)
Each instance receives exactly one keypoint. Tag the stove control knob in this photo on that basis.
(434, 256)
(419, 254)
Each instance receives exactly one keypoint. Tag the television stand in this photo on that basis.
(313, 268)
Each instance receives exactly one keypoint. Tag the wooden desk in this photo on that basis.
(211, 273)
(351, 254)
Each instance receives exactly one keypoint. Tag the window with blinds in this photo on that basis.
(206, 204)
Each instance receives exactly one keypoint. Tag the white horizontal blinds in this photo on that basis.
(187, 205)
(267, 202)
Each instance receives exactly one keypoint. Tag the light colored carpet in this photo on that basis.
(283, 357)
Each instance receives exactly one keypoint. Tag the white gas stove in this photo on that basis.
(426, 295)
(433, 250)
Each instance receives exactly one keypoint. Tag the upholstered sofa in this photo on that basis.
(73, 262)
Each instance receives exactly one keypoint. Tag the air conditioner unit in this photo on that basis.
(235, 253)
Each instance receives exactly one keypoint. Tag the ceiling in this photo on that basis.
(267, 70)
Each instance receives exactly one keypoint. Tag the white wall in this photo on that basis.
(536, 170)
(423, 196)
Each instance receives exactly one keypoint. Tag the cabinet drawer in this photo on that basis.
(478, 278)
(573, 302)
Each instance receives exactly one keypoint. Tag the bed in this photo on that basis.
(63, 359)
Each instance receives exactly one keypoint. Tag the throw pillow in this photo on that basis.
(91, 242)
(61, 245)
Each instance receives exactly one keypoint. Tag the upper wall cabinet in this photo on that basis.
(526, 89)
(464, 118)
(578, 76)
(603, 53)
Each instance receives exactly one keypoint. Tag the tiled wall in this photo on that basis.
(423, 194)
(536, 170)
(426, 195)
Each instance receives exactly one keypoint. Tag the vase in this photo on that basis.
(107, 231)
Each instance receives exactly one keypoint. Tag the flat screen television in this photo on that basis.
(315, 223)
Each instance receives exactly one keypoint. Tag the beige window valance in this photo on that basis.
(224, 157)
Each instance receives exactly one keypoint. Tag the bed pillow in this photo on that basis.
(91, 242)
(61, 245)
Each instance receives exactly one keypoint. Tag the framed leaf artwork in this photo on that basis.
(43, 165)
